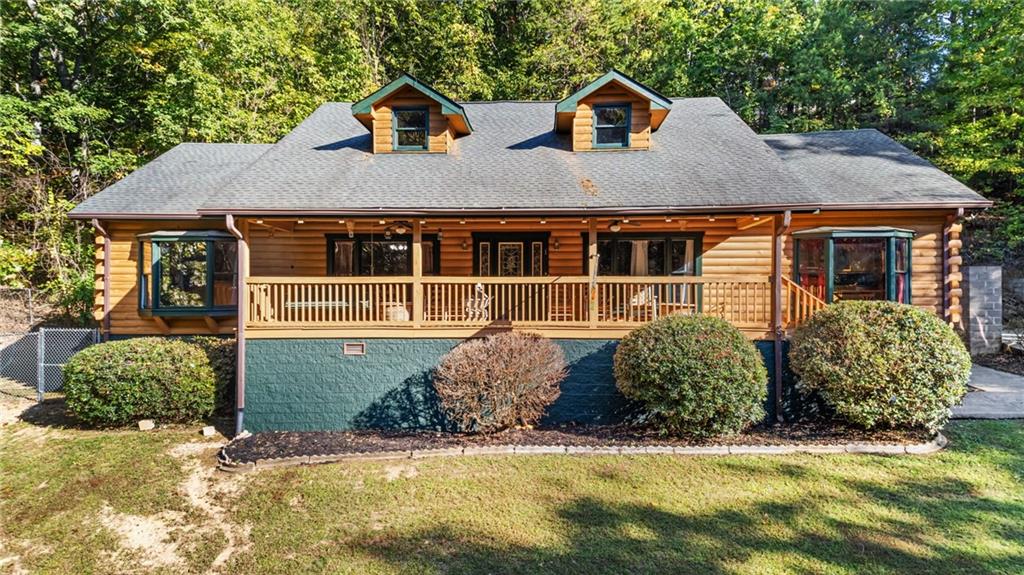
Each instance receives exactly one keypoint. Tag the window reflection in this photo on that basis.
(859, 269)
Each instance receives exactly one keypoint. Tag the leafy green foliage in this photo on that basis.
(120, 382)
(882, 364)
(91, 90)
(491, 384)
(695, 375)
(222, 354)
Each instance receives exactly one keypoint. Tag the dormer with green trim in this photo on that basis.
(614, 112)
(408, 116)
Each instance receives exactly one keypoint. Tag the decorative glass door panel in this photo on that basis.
(510, 254)
(510, 259)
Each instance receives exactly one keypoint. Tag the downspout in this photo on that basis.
(241, 253)
(787, 220)
(106, 277)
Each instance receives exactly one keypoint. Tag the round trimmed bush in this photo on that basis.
(120, 382)
(223, 356)
(694, 375)
(490, 384)
(882, 364)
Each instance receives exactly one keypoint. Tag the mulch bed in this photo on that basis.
(1011, 361)
(287, 444)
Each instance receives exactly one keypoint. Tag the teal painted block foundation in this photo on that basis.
(308, 384)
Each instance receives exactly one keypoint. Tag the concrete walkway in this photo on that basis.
(994, 395)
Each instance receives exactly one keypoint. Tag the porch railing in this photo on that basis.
(541, 302)
(798, 304)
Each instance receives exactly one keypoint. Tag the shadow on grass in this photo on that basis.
(890, 525)
(51, 412)
(54, 413)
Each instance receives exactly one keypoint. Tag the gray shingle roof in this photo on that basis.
(174, 184)
(703, 157)
(867, 167)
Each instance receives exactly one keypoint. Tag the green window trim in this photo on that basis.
(595, 127)
(830, 237)
(149, 289)
(395, 129)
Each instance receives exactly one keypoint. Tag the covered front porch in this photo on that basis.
(588, 278)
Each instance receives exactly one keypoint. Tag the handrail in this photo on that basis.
(505, 279)
(549, 301)
(799, 304)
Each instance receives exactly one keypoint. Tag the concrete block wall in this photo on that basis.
(983, 297)
(309, 384)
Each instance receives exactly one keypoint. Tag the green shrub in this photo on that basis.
(120, 382)
(490, 384)
(694, 375)
(221, 353)
(882, 363)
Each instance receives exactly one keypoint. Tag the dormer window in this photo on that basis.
(410, 116)
(411, 127)
(613, 112)
(611, 126)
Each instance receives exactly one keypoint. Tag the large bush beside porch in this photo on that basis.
(120, 382)
(494, 383)
(882, 364)
(694, 375)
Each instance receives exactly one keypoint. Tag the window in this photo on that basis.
(188, 273)
(411, 128)
(611, 126)
(852, 264)
(377, 255)
(647, 255)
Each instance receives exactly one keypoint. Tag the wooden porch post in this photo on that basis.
(778, 241)
(592, 270)
(951, 289)
(417, 273)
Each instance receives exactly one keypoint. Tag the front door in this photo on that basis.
(510, 254)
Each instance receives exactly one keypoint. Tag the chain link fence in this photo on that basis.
(34, 361)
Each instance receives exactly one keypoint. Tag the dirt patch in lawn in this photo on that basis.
(166, 540)
(207, 491)
(275, 445)
(147, 537)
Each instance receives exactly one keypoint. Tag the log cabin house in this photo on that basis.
(350, 255)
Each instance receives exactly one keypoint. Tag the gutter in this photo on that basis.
(585, 211)
(132, 216)
(106, 277)
(565, 211)
(242, 254)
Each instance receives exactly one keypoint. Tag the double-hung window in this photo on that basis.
(188, 273)
(611, 125)
(411, 129)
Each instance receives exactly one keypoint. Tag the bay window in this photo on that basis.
(187, 273)
(838, 264)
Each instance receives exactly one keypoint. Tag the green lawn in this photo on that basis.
(960, 511)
